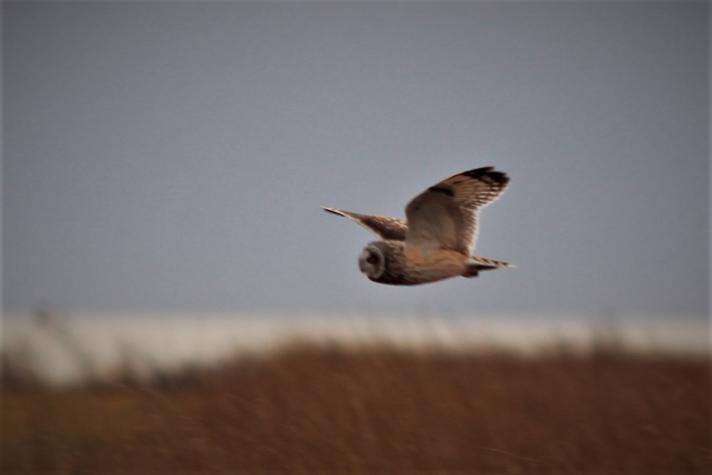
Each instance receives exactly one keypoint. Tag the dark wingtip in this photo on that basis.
(478, 171)
(335, 211)
(489, 172)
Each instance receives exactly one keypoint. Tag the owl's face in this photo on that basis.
(372, 262)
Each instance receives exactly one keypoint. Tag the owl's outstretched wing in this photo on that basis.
(388, 228)
(445, 215)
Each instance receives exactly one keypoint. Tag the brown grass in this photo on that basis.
(376, 411)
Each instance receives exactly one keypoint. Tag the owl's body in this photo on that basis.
(439, 235)
(410, 265)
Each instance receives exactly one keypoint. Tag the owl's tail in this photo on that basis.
(476, 264)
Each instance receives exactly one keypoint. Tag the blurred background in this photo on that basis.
(164, 165)
(173, 157)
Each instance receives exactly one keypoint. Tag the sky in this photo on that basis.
(173, 157)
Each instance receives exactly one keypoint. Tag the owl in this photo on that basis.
(436, 239)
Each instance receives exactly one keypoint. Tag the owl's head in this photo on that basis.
(372, 261)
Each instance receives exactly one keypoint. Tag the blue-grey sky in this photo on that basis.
(173, 156)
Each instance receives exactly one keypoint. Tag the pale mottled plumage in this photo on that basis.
(440, 233)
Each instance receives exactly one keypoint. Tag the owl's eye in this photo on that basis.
(372, 258)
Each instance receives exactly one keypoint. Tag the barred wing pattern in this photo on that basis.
(445, 215)
(388, 228)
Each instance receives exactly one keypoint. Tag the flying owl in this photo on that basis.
(436, 240)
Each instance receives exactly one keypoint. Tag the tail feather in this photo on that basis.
(476, 264)
(492, 263)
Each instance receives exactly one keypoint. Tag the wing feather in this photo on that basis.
(388, 228)
(445, 215)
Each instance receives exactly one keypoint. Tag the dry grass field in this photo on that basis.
(325, 410)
